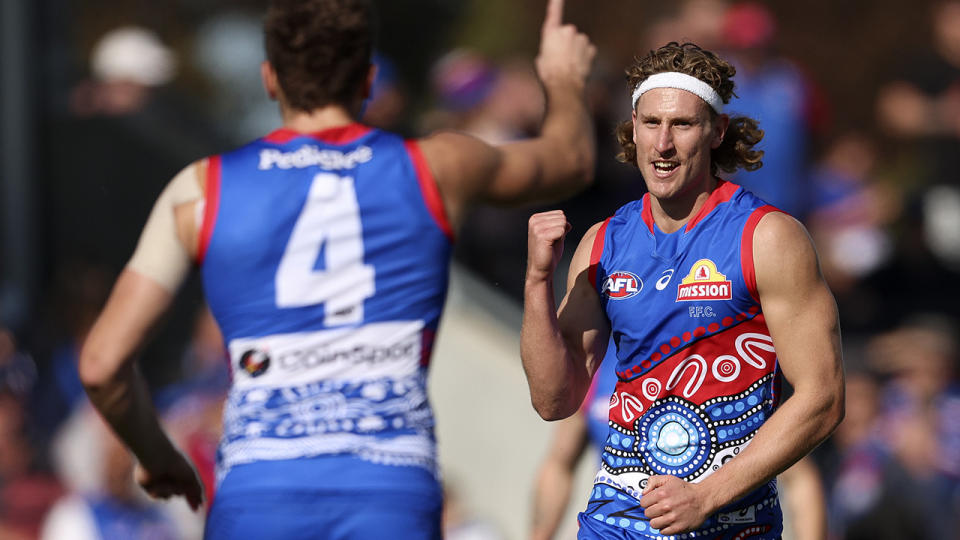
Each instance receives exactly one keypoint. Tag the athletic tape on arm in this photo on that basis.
(160, 254)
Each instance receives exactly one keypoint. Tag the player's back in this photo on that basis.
(325, 260)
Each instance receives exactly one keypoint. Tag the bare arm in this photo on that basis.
(552, 491)
(560, 349)
(139, 299)
(553, 165)
(802, 318)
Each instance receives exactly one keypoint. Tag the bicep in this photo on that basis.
(797, 304)
(582, 320)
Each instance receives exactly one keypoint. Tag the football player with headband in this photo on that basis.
(324, 249)
(710, 295)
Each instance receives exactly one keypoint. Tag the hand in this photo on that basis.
(545, 243)
(674, 506)
(174, 477)
(565, 54)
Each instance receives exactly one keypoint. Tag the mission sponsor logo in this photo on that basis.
(704, 282)
(621, 285)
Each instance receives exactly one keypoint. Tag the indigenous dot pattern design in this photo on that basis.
(676, 343)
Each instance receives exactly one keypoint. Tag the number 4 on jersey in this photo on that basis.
(329, 222)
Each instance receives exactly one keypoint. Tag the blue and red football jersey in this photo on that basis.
(325, 262)
(696, 367)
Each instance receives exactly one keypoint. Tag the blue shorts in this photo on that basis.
(327, 516)
(288, 500)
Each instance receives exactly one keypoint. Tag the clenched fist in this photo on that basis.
(545, 234)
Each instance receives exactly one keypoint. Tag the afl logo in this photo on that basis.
(621, 285)
(254, 362)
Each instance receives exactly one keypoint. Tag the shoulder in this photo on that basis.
(784, 255)
(781, 231)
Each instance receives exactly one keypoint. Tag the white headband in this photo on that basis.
(680, 81)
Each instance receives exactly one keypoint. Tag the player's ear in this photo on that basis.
(269, 77)
(633, 117)
(720, 125)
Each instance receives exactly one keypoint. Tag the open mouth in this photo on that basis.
(665, 166)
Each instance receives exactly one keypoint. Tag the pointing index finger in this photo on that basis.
(554, 14)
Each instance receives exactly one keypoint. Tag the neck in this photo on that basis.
(319, 119)
(672, 214)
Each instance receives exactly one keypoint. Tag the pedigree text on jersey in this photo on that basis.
(309, 155)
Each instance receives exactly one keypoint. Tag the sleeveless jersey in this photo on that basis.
(696, 367)
(325, 262)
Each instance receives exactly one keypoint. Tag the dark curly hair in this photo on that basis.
(320, 49)
(736, 150)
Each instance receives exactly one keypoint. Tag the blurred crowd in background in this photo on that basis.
(862, 144)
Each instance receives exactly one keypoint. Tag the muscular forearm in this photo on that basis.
(108, 372)
(124, 402)
(797, 427)
(567, 130)
(557, 381)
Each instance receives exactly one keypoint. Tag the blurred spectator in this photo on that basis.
(922, 103)
(776, 92)
(226, 49)
(80, 290)
(18, 372)
(696, 21)
(899, 474)
(850, 212)
(26, 492)
(113, 507)
(127, 132)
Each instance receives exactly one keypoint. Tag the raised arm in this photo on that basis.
(801, 315)
(560, 349)
(552, 166)
(139, 299)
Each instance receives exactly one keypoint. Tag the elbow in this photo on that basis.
(552, 410)
(837, 412)
(95, 369)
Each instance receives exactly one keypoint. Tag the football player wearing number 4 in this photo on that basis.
(709, 295)
(324, 250)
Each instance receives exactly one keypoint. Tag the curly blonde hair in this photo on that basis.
(736, 151)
